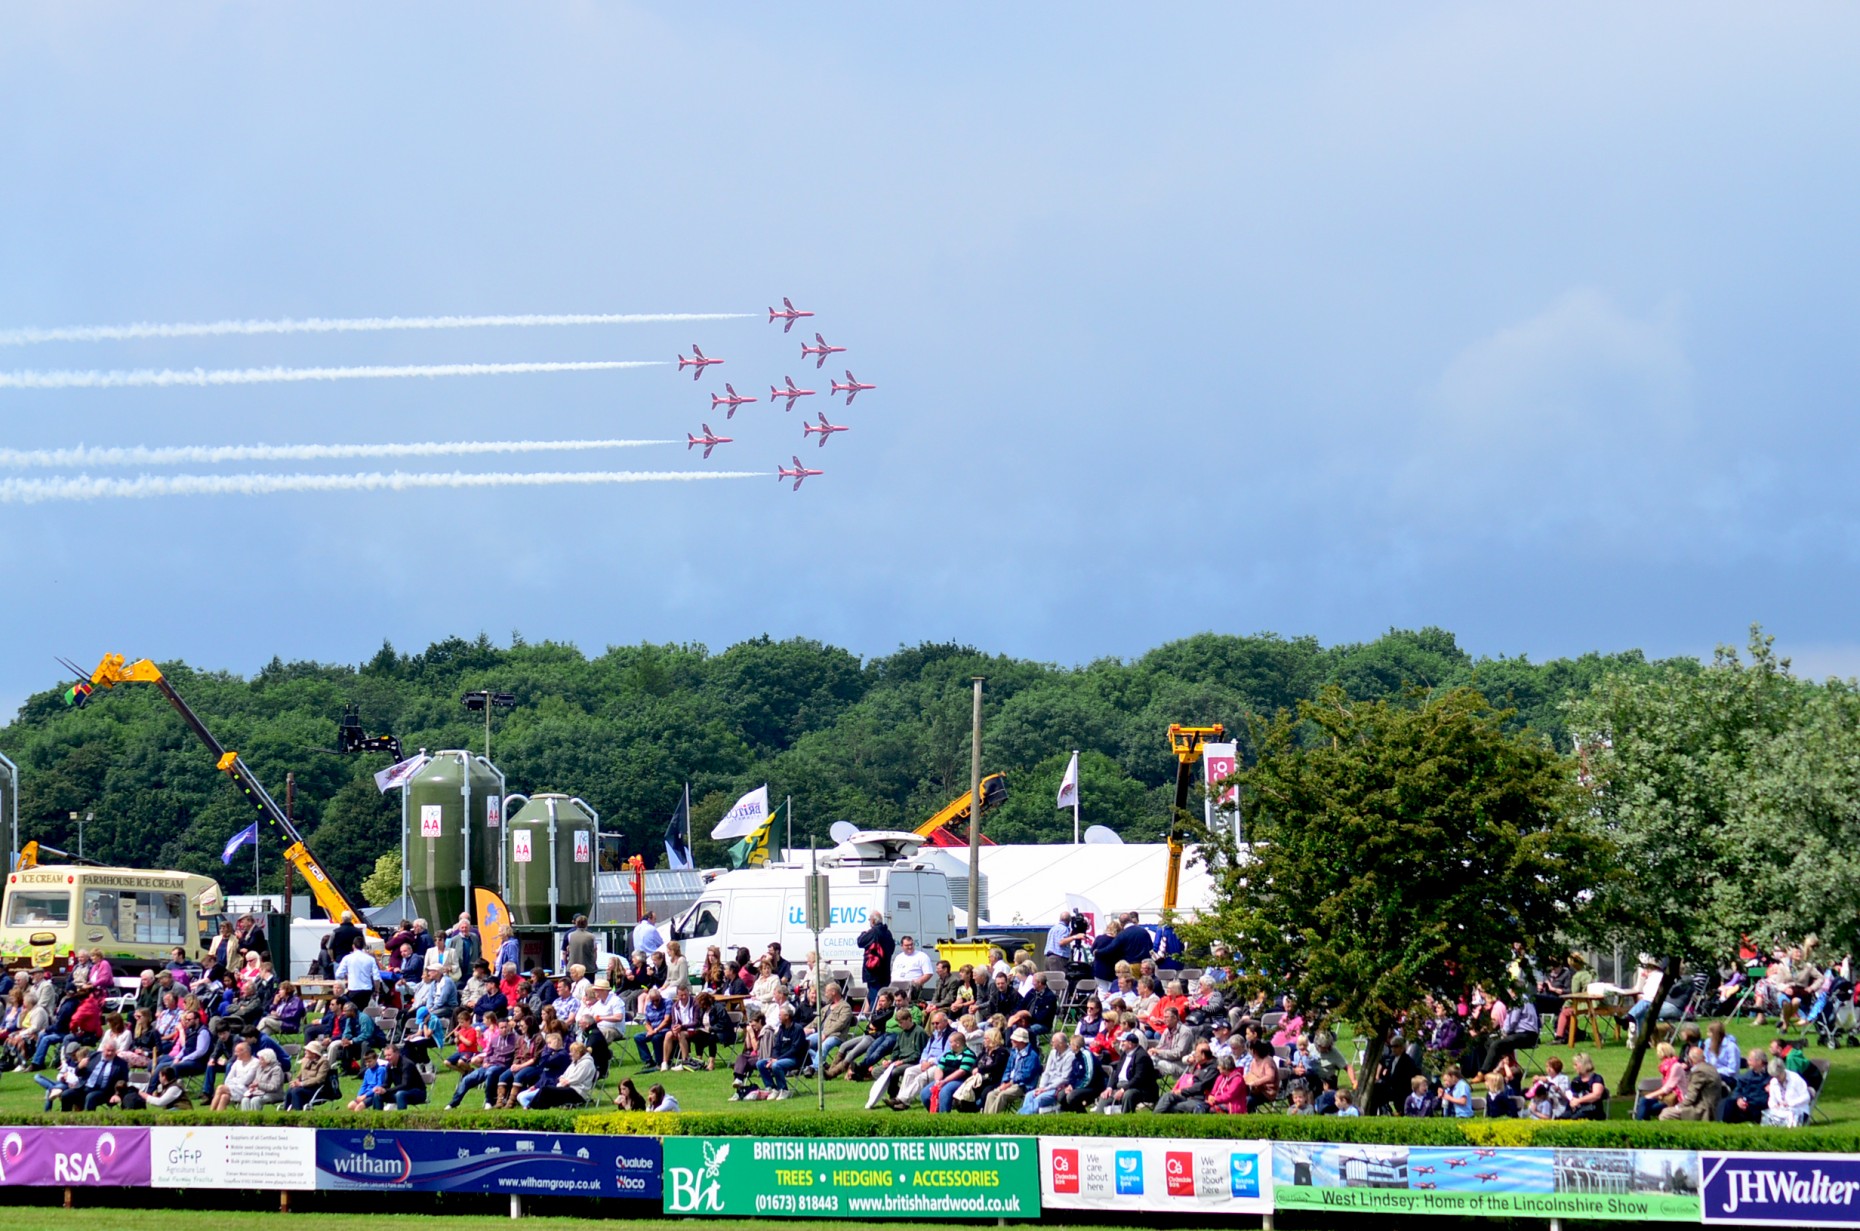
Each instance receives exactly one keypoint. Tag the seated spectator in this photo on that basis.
(628, 1097)
(168, 1094)
(1749, 1097)
(1022, 1073)
(267, 1087)
(1588, 1094)
(1132, 1082)
(1522, 1028)
(1346, 1104)
(286, 1013)
(104, 1076)
(1549, 1094)
(1061, 1067)
(1789, 1097)
(1291, 1024)
(1421, 1102)
(241, 1077)
(1672, 1077)
(1262, 1075)
(1193, 1087)
(1721, 1051)
(314, 1073)
(912, 1077)
(746, 1060)
(374, 1076)
(523, 1069)
(990, 1067)
(658, 1100)
(1228, 1095)
(953, 1068)
(788, 1052)
(1501, 1100)
(656, 1027)
(572, 1086)
(1175, 1045)
(1703, 1088)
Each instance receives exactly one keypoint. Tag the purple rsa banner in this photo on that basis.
(559, 1164)
(1782, 1190)
(89, 1157)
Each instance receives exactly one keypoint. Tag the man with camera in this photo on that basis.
(1071, 930)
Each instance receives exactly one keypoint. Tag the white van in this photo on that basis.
(871, 870)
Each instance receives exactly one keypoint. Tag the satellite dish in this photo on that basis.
(1098, 835)
(842, 830)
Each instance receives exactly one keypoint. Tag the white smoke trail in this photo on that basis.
(144, 487)
(150, 377)
(145, 455)
(28, 335)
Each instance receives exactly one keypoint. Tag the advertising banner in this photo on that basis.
(557, 1164)
(1534, 1183)
(281, 1159)
(86, 1157)
(1156, 1175)
(1782, 1190)
(953, 1177)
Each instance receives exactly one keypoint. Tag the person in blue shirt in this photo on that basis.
(374, 1073)
(657, 1022)
(1456, 1093)
(1022, 1074)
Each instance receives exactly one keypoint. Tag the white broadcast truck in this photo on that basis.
(872, 870)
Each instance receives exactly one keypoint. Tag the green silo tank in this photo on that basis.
(448, 805)
(549, 856)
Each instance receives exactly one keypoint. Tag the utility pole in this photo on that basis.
(975, 809)
(487, 700)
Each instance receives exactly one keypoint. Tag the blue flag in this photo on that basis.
(248, 834)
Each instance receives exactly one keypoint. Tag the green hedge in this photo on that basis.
(788, 1121)
(1379, 1130)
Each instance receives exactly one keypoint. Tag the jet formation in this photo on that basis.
(787, 392)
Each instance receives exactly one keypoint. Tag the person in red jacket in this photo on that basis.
(87, 1020)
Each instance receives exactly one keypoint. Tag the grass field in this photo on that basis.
(710, 1091)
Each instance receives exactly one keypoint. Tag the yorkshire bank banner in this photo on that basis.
(1782, 1190)
(1657, 1185)
(279, 1159)
(858, 1177)
(75, 1157)
(1156, 1175)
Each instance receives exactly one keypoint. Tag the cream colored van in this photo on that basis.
(134, 918)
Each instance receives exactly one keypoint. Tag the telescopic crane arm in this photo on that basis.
(1186, 743)
(114, 670)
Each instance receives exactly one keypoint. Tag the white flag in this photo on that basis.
(750, 814)
(400, 773)
(1069, 785)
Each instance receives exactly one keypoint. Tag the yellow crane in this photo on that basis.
(114, 670)
(1186, 743)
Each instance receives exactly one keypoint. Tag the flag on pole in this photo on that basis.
(1069, 785)
(753, 850)
(248, 834)
(400, 773)
(677, 841)
(750, 813)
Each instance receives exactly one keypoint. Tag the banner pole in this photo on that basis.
(1075, 801)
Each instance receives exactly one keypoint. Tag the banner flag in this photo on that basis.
(399, 773)
(749, 814)
(677, 839)
(1069, 785)
(248, 834)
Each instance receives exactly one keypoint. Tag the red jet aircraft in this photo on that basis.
(825, 429)
(1456, 1162)
(851, 388)
(799, 474)
(791, 314)
(1486, 1153)
(1486, 1177)
(731, 400)
(699, 363)
(709, 440)
(823, 350)
(792, 392)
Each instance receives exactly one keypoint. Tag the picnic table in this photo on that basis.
(1594, 1007)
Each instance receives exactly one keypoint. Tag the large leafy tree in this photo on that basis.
(1733, 792)
(1399, 848)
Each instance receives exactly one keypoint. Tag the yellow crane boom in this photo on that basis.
(114, 670)
(1186, 743)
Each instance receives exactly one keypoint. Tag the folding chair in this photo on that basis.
(1815, 1114)
(1073, 1007)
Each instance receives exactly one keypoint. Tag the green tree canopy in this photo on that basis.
(1398, 850)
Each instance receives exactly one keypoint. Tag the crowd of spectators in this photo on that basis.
(1018, 1032)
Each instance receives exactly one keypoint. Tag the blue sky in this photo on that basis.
(1530, 321)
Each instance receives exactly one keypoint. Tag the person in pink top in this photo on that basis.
(1291, 1025)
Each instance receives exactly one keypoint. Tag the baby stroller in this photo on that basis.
(1832, 1016)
